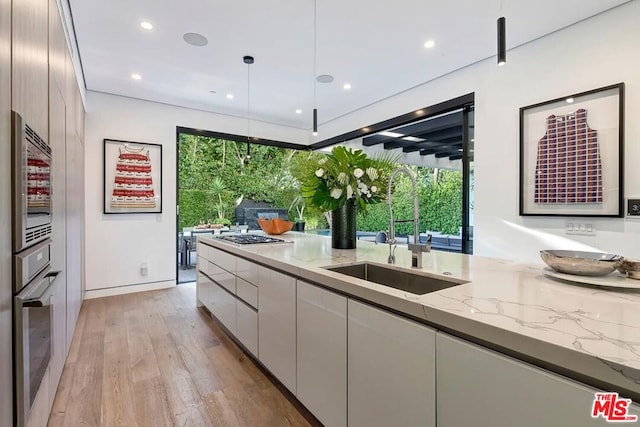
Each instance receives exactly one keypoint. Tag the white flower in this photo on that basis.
(358, 173)
(336, 193)
(363, 187)
(342, 178)
(373, 173)
(349, 191)
(368, 194)
(374, 189)
(322, 161)
(319, 173)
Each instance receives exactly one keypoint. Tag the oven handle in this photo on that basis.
(42, 299)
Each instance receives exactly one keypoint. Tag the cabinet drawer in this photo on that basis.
(247, 270)
(223, 259)
(247, 292)
(202, 250)
(247, 327)
(222, 277)
(223, 306)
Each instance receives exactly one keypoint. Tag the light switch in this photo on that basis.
(580, 229)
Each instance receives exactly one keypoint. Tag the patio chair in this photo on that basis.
(193, 242)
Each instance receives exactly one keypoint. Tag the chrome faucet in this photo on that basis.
(416, 247)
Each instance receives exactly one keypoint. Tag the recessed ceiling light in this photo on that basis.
(146, 25)
(391, 134)
(459, 149)
(346, 86)
(366, 129)
(229, 96)
(324, 78)
(420, 112)
(413, 139)
(136, 76)
(195, 39)
(569, 100)
(429, 44)
(298, 111)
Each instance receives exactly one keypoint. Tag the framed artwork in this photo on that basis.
(571, 155)
(132, 177)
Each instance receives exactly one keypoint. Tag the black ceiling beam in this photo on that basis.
(440, 149)
(437, 135)
(419, 129)
(456, 157)
(397, 143)
(428, 137)
(404, 119)
(428, 144)
(447, 153)
(375, 140)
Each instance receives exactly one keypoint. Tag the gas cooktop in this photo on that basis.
(249, 239)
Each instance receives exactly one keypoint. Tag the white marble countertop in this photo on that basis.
(588, 333)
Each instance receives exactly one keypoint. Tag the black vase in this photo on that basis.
(299, 226)
(343, 226)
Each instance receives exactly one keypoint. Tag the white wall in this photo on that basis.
(116, 245)
(597, 52)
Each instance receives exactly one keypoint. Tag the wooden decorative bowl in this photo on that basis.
(275, 226)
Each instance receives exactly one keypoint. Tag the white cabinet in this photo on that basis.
(481, 388)
(223, 259)
(222, 277)
(322, 353)
(222, 304)
(391, 375)
(247, 326)
(277, 325)
(247, 270)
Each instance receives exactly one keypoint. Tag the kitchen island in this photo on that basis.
(506, 332)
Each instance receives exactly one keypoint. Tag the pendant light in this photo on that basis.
(502, 39)
(248, 60)
(315, 63)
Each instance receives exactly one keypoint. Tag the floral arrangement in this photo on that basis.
(347, 174)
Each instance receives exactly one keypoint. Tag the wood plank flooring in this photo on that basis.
(154, 359)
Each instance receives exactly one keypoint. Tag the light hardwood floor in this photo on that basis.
(154, 359)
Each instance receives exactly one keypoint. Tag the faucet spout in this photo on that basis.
(416, 248)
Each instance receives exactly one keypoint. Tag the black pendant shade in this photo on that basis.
(502, 41)
(315, 121)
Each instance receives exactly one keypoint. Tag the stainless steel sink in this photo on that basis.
(394, 278)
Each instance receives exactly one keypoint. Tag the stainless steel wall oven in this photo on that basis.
(32, 275)
(31, 185)
(32, 311)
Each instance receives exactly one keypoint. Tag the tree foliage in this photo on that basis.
(215, 173)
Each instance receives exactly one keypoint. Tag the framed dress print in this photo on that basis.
(571, 155)
(132, 177)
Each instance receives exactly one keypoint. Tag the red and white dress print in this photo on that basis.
(568, 166)
(133, 185)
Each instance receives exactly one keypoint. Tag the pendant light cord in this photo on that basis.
(315, 50)
(248, 103)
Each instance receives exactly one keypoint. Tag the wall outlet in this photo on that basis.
(144, 269)
(580, 229)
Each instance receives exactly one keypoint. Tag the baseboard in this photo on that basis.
(129, 289)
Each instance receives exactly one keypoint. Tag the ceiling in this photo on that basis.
(376, 46)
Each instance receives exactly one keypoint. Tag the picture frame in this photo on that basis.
(572, 155)
(132, 173)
